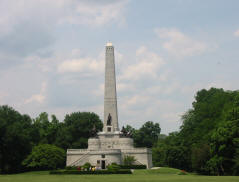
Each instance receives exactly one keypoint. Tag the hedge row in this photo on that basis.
(133, 166)
(121, 167)
(71, 167)
(121, 171)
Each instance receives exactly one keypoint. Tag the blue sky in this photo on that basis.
(52, 55)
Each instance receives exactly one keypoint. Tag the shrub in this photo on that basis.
(133, 166)
(129, 160)
(44, 157)
(86, 166)
(121, 171)
(113, 167)
(71, 167)
(182, 172)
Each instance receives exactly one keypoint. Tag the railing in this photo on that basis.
(138, 163)
(82, 157)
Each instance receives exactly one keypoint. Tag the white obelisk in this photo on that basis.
(110, 98)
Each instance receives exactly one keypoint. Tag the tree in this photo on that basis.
(169, 152)
(15, 139)
(200, 156)
(77, 128)
(45, 156)
(225, 144)
(47, 130)
(147, 135)
(208, 139)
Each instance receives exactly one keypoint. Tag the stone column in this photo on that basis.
(110, 98)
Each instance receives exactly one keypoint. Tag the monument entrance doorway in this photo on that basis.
(103, 164)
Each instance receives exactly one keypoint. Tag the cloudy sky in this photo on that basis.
(52, 55)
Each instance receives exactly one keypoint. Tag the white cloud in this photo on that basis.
(87, 12)
(147, 65)
(29, 26)
(40, 98)
(137, 100)
(81, 65)
(236, 33)
(179, 44)
(94, 13)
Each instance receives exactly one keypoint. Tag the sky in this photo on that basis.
(52, 55)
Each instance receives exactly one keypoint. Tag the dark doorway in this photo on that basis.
(102, 164)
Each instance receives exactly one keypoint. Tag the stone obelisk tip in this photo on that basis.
(109, 44)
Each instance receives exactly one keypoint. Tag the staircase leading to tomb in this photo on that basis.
(81, 158)
(138, 163)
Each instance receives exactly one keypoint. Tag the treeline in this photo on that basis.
(20, 134)
(41, 143)
(207, 142)
(208, 139)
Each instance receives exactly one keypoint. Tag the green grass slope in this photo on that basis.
(162, 170)
(159, 175)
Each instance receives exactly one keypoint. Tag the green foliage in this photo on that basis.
(182, 172)
(169, 152)
(129, 160)
(45, 156)
(200, 156)
(19, 133)
(208, 138)
(236, 163)
(64, 172)
(86, 166)
(47, 130)
(77, 129)
(147, 135)
(225, 143)
(133, 166)
(113, 167)
(15, 139)
(71, 167)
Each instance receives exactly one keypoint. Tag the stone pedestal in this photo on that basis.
(109, 147)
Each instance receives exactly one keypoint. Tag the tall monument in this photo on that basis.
(110, 99)
(110, 145)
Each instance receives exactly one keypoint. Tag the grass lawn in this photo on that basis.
(160, 175)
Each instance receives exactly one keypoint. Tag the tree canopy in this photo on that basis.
(208, 140)
(15, 139)
(19, 134)
(45, 156)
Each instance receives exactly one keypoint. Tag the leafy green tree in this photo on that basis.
(225, 142)
(200, 156)
(130, 129)
(77, 128)
(236, 163)
(159, 154)
(147, 135)
(208, 138)
(45, 156)
(47, 130)
(15, 139)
